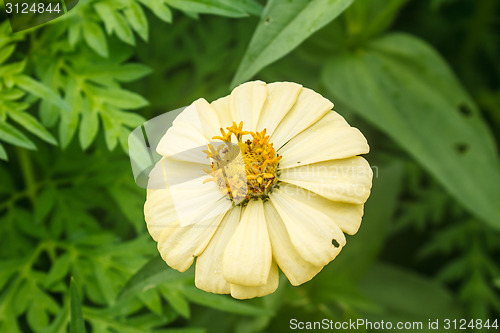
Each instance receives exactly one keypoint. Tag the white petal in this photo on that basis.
(281, 96)
(246, 103)
(296, 269)
(223, 110)
(245, 292)
(247, 258)
(208, 275)
(347, 180)
(179, 245)
(346, 215)
(307, 110)
(330, 138)
(311, 231)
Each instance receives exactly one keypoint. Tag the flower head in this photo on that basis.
(266, 177)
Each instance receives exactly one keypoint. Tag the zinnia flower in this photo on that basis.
(266, 177)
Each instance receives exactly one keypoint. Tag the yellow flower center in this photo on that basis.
(244, 170)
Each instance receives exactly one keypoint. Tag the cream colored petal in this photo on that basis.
(296, 268)
(196, 202)
(202, 116)
(208, 275)
(307, 110)
(187, 200)
(178, 245)
(347, 180)
(347, 216)
(183, 142)
(190, 133)
(209, 119)
(246, 103)
(247, 257)
(223, 110)
(245, 292)
(159, 211)
(281, 96)
(311, 231)
(330, 138)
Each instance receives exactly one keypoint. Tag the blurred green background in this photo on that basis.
(420, 78)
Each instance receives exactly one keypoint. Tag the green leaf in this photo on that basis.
(402, 86)
(59, 269)
(404, 295)
(230, 8)
(223, 303)
(152, 275)
(40, 90)
(176, 299)
(76, 325)
(111, 130)
(69, 120)
(3, 153)
(138, 20)
(44, 204)
(12, 69)
(159, 9)
(31, 124)
(74, 34)
(10, 134)
(95, 38)
(89, 126)
(6, 52)
(369, 18)
(115, 22)
(129, 72)
(121, 98)
(283, 26)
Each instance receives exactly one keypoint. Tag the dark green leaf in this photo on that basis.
(3, 153)
(176, 299)
(151, 275)
(406, 295)
(368, 18)
(402, 86)
(223, 302)
(283, 26)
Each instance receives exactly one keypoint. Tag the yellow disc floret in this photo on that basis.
(245, 169)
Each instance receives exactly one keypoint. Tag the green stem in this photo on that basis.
(28, 174)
